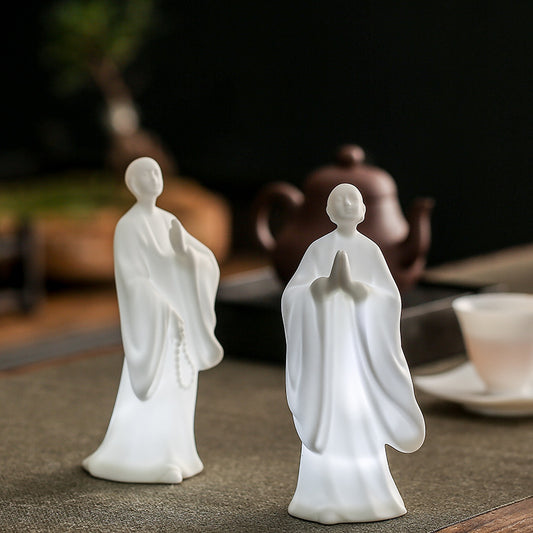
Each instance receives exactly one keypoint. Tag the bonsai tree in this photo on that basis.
(93, 41)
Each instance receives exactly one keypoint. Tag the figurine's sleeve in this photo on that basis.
(396, 405)
(204, 277)
(304, 366)
(144, 316)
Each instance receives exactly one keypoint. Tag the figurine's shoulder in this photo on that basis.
(335, 241)
(165, 215)
(369, 245)
(134, 217)
(127, 231)
(365, 241)
(313, 253)
(128, 219)
(325, 241)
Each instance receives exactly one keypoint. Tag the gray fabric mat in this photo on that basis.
(52, 417)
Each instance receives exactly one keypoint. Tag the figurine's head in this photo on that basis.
(345, 205)
(143, 178)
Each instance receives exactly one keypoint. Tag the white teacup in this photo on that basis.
(498, 333)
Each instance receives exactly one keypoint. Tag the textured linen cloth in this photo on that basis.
(53, 415)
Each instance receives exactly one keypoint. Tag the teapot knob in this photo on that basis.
(349, 155)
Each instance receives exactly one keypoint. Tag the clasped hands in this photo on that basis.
(339, 279)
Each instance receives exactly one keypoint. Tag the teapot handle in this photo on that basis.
(279, 192)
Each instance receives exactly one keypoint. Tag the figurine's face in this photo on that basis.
(149, 181)
(345, 204)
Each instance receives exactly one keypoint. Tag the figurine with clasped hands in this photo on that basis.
(339, 279)
(166, 285)
(348, 385)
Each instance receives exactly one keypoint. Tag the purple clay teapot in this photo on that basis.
(404, 243)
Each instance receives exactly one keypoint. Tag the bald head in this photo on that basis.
(345, 205)
(143, 178)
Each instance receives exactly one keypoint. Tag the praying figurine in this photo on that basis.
(166, 284)
(348, 384)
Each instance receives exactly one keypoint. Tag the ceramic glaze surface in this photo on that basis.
(498, 333)
(348, 385)
(166, 284)
(463, 385)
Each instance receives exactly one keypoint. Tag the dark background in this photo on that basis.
(243, 93)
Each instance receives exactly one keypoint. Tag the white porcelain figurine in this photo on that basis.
(348, 385)
(166, 283)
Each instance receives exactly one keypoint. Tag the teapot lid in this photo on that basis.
(351, 168)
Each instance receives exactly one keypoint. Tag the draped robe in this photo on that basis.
(167, 318)
(348, 386)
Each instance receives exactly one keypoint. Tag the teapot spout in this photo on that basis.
(416, 245)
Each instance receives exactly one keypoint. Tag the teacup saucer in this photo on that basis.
(463, 385)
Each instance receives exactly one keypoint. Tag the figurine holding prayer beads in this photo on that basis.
(166, 285)
(348, 384)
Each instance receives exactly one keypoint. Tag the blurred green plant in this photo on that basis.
(75, 194)
(94, 39)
